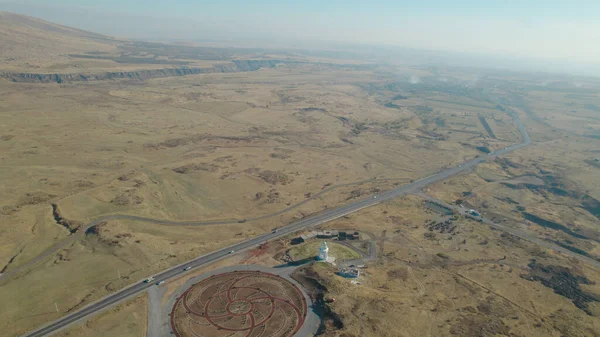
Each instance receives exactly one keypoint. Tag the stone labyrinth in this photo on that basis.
(241, 303)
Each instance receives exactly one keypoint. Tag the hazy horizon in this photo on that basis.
(563, 36)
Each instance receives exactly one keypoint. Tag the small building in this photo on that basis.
(309, 236)
(324, 235)
(349, 272)
(304, 237)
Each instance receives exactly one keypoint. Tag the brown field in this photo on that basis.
(252, 141)
(473, 282)
(125, 320)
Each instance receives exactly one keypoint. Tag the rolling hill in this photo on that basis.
(32, 43)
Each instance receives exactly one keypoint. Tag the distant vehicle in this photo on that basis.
(231, 251)
(160, 282)
(374, 197)
(187, 268)
(473, 212)
(459, 165)
(149, 279)
(506, 148)
(243, 220)
(274, 230)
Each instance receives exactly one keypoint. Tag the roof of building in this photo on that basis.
(349, 272)
(308, 235)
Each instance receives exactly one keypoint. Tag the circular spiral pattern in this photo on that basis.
(241, 303)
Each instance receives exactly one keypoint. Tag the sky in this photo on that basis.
(566, 31)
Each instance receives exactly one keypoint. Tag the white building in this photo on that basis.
(323, 252)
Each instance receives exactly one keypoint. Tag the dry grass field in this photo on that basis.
(198, 147)
(255, 140)
(125, 320)
(310, 250)
(550, 188)
(473, 282)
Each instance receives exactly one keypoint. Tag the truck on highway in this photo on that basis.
(149, 279)
(187, 268)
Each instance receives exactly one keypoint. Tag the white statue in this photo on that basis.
(323, 252)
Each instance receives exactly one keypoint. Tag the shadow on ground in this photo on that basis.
(297, 263)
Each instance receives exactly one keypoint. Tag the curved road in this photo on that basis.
(517, 232)
(314, 220)
(62, 244)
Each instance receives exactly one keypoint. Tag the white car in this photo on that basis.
(187, 268)
(231, 251)
(160, 283)
(374, 197)
(149, 279)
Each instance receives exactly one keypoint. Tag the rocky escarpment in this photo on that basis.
(234, 66)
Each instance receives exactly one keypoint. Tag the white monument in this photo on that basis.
(323, 252)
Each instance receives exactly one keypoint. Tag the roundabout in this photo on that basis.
(240, 303)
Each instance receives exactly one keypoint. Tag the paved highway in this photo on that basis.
(81, 232)
(314, 220)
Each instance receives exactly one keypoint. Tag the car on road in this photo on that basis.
(374, 197)
(231, 251)
(187, 268)
(274, 230)
(160, 282)
(149, 279)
